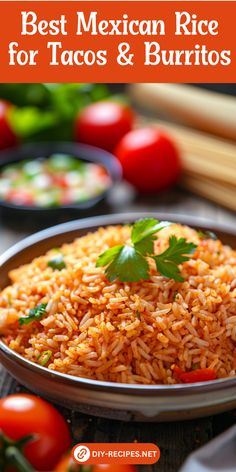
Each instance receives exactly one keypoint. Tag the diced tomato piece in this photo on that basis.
(198, 375)
(60, 180)
(177, 371)
(19, 197)
(66, 198)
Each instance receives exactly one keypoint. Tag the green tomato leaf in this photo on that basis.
(29, 120)
(26, 94)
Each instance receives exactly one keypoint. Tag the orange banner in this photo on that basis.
(117, 41)
(116, 453)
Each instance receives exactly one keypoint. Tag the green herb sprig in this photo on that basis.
(57, 262)
(35, 314)
(129, 262)
(167, 262)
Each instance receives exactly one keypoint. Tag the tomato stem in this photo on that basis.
(15, 457)
(11, 453)
(25, 440)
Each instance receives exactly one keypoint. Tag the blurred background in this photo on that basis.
(171, 148)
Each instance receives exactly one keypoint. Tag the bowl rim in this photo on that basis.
(89, 224)
(114, 172)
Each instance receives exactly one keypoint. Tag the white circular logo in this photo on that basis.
(82, 453)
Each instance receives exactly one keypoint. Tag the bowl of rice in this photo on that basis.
(117, 349)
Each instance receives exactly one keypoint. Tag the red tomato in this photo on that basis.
(67, 464)
(23, 414)
(114, 468)
(149, 159)
(7, 135)
(103, 124)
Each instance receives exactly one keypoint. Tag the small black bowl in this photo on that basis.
(33, 217)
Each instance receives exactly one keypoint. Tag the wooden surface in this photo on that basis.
(176, 440)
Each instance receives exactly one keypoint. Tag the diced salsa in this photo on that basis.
(50, 182)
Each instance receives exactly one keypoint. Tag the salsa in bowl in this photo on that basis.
(59, 181)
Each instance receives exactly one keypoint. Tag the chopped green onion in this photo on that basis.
(44, 357)
(57, 262)
(63, 162)
(35, 314)
(31, 168)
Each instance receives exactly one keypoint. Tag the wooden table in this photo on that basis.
(176, 440)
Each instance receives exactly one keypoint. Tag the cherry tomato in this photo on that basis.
(103, 124)
(23, 414)
(114, 468)
(149, 159)
(7, 135)
(66, 464)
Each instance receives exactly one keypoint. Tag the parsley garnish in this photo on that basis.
(127, 266)
(129, 262)
(35, 314)
(167, 262)
(57, 262)
(143, 234)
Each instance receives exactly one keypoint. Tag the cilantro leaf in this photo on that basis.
(106, 257)
(128, 266)
(146, 245)
(143, 231)
(167, 262)
(35, 314)
(169, 269)
(129, 263)
(57, 262)
(178, 248)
